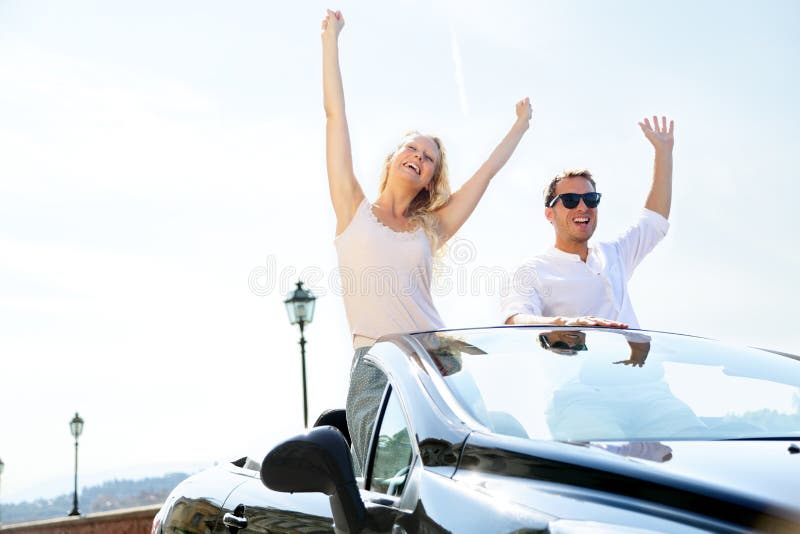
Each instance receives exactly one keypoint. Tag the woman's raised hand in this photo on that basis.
(524, 112)
(332, 24)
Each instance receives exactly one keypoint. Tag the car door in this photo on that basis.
(392, 469)
(252, 508)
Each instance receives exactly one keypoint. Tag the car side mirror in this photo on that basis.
(318, 461)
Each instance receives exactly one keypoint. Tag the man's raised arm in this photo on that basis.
(660, 197)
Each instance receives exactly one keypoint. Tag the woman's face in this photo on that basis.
(415, 161)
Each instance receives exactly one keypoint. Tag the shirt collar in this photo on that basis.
(560, 254)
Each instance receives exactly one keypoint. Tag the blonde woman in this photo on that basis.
(386, 247)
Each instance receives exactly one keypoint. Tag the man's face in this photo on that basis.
(564, 342)
(574, 225)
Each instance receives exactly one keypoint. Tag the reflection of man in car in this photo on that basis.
(564, 342)
(609, 401)
(578, 283)
(570, 342)
(646, 450)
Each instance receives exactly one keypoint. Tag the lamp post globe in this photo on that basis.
(300, 305)
(300, 308)
(76, 428)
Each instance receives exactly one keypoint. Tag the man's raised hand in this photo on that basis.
(658, 134)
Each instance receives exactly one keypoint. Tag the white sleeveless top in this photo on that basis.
(385, 277)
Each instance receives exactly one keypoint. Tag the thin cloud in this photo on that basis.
(459, 72)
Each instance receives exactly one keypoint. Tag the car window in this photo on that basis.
(393, 452)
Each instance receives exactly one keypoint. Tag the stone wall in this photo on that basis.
(127, 521)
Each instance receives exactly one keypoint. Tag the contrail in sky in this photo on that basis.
(459, 72)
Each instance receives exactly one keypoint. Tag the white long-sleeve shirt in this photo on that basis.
(557, 283)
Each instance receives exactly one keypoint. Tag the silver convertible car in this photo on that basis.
(533, 429)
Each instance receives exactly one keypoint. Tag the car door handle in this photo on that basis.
(234, 521)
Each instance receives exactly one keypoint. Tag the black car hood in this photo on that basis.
(764, 470)
(748, 483)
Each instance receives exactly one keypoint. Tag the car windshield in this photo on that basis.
(572, 384)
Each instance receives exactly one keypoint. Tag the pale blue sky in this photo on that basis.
(153, 154)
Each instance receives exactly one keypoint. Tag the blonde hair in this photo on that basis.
(421, 210)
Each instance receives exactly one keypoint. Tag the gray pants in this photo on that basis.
(367, 384)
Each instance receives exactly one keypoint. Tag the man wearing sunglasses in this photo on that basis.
(582, 283)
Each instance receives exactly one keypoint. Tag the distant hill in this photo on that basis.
(111, 495)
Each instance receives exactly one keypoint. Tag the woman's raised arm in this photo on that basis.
(463, 202)
(345, 191)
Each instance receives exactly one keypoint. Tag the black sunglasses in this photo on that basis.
(560, 344)
(571, 200)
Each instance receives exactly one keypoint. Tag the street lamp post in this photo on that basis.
(76, 427)
(300, 307)
(2, 466)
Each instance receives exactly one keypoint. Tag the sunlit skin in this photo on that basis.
(572, 235)
(411, 169)
(414, 163)
(405, 181)
(639, 352)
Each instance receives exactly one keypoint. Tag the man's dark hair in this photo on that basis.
(550, 190)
